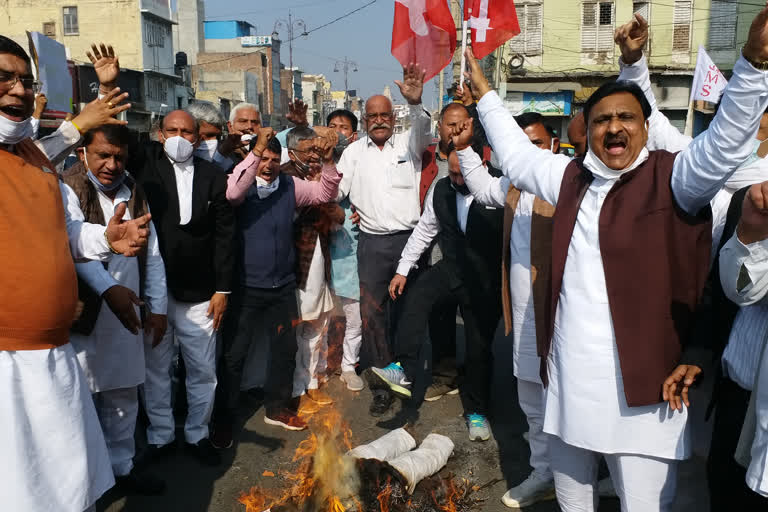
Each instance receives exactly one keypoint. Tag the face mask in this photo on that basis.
(264, 188)
(461, 189)
(178, 148)
(301, 166)
(245, 139)
(343, 144)
(207, 149)
(12, 132)
(753, 157)
(99, 185)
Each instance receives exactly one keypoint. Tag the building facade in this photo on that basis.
(144, 44)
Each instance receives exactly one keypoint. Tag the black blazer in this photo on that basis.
(199, 256)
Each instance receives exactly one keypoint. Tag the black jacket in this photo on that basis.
(199, 256)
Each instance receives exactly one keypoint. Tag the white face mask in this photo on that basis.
(178, 148)
(264, 188)
(207, 149)
(12, 132)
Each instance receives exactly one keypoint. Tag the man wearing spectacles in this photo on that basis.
(382, 173)
(50, 427)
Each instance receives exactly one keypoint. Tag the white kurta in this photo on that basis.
(586, 405)
(744, 276)
(111, 356)
(316, 297)
(53, 452)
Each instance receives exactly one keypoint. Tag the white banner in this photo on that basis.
(708, 82)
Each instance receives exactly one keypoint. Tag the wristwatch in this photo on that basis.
(760, 66)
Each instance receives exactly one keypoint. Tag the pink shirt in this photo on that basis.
(308, 193)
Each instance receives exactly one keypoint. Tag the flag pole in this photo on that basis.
(463, 49)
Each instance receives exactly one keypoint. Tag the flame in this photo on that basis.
(325, 475)
(384, 496)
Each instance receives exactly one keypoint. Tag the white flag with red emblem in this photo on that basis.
(493, 22)
(708, 82)
(424, 32)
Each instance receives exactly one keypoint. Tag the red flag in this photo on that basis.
(493, 22)
(424, 32)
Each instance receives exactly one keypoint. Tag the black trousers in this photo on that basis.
(377, 259)
(481, 313)
(250, 308)
(727, 489)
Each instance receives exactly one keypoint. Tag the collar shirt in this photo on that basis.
(428, 228)
(185, 175)
(584, 371)
(383, 184)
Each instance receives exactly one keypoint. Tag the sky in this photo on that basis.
(364, 37)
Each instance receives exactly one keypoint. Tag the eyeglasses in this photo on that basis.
(8, 81)
(379, 115)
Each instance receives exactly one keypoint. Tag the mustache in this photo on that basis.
(614, 138)
(380, 125)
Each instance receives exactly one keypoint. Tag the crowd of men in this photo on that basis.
(620, 275)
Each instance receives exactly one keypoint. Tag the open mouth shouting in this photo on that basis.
(615, 145)
(15, 112)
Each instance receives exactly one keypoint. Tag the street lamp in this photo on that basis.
(291, 25)
(347, 66)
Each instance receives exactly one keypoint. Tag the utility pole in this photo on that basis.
(441, 91)
(346, 66)
(291, 24)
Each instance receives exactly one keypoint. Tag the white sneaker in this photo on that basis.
(531, 491)
(352, 380)
(605, 488)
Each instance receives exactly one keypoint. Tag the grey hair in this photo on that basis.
(204, 111)
(233, 113)
(197, 124)
(298, 134)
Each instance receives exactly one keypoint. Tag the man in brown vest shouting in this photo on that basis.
(630, 255)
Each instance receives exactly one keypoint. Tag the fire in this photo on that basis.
(325, 476)
(384, 496)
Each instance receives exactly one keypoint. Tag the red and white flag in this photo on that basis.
(708, 82)
(424, 32)
(493, 22)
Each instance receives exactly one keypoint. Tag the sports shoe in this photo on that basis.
(319, 396)
(204, 452)
(286, 419)
(221, 435)
(605, 488)
(478, 427)
(438, 390)
(382, 401)
(394, 377)
(352, 380)
(531, 491)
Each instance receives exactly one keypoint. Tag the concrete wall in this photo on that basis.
(97, 22)
(189, 35)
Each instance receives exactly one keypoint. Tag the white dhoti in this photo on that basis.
(53, 452)
(353, 334)
(315, 303)
(642, 483)
(190, 324)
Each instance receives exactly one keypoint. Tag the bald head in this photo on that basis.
(179, 123)
(451, 117)
(577, 134)
(379, 119)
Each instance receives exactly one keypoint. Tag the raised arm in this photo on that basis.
(411, 87)
(241, 179)
(313, 192)
(486, 189)
(744, 258)
(631, 39)
(704, 167)
(527, 167)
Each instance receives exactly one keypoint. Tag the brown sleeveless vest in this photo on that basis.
(39, 286)
(89, 301)
(656, 261)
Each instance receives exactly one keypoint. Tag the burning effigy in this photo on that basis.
(390, 474)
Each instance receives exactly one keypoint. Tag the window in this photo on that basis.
(644, 10)
(157, 89)
(528, 42)
(70, 21)
(154, 33)
(722, 24)
(681, 31)
(49, 29)
(597, 22)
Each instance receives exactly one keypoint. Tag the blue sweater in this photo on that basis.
(267, 257)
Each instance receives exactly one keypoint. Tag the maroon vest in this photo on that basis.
(655, 259)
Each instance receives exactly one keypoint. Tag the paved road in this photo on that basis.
(192, 488)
